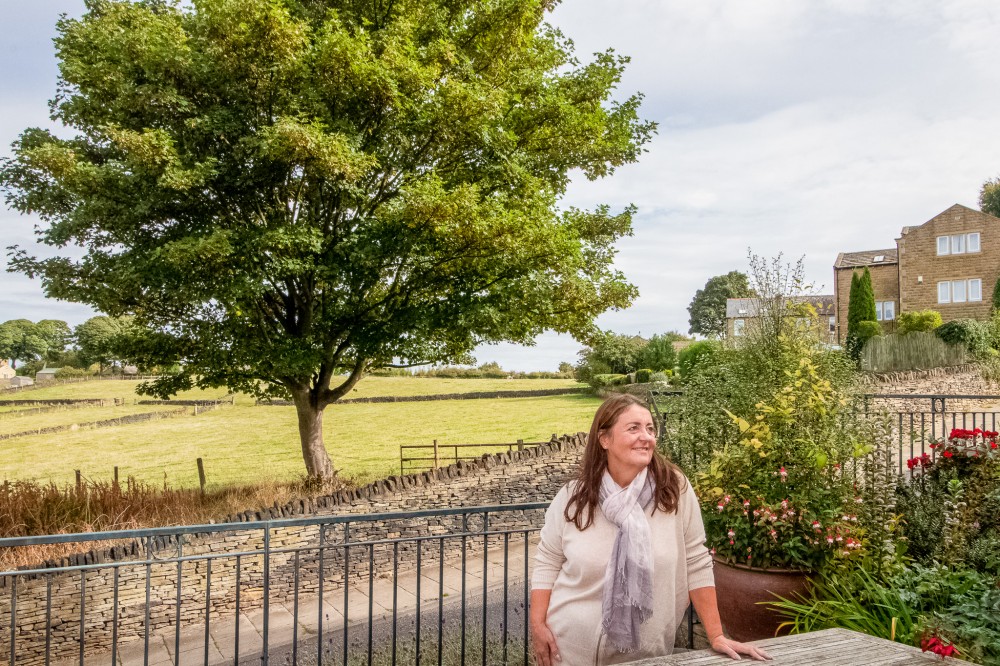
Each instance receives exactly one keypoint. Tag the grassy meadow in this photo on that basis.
(247, 444)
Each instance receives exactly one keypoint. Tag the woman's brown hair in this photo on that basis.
(585, 497)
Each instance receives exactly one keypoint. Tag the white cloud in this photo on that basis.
(804, 127)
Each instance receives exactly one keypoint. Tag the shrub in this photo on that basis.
(918, 321)
(913, 351)
(695, 356)
(975, 336)
(606, 380)
(643, 376)
(661, 376)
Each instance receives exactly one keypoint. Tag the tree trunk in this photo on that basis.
(318, 463)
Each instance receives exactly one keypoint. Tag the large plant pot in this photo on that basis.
(740, 589)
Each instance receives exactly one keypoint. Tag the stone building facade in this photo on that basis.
(949, 264)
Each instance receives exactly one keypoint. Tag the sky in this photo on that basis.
(802, 128)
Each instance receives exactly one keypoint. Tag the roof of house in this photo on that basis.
(959, 207)
(866, 258)
(750, 307)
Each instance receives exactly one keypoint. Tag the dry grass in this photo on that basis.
(28, 508)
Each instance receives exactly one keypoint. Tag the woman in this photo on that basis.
(621, 552)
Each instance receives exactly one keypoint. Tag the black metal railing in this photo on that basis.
(911, 431)
(430, 586)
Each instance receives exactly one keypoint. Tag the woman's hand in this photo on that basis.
(544, 644)
(734, 649)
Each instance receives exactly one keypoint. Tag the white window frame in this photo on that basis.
(833, 324)
(975, 287)
(943, 246)
(959, 292)
(958, 244)
(944, 292)
(969, 243)
(738, 327)
(885, 310)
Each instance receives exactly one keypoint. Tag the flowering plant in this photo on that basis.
(784, 496)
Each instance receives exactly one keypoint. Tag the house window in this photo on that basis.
(833, 324)
(958, 243)
(975, 289)
(738, 326)
(944, 292)
(960, 291)
(885, 310)
(943, 246)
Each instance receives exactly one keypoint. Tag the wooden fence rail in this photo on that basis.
(445, 454)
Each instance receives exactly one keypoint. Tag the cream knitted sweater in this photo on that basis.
(572, 564)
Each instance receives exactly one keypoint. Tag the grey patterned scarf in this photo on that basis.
(628, 583)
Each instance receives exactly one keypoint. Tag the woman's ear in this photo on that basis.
(602, 439)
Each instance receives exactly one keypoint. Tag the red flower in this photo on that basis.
(937, 646)
(948, 454)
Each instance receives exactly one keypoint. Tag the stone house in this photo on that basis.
(46, 374)
(949, 263)
(6, 372)
(741, 313)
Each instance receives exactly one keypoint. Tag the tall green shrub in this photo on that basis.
(996, 296)
(860, 310)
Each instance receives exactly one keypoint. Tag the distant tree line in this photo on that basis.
(93, 346)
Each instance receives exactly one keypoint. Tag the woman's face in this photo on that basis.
(629, 442)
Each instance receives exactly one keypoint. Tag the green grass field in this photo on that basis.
(17, 421)
(245, 443)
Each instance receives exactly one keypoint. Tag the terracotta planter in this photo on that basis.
(740, 588)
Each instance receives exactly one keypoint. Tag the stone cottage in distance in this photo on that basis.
(949, 264)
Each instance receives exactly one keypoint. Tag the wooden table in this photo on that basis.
(830, 647)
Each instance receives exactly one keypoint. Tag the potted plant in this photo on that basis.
(780, 502)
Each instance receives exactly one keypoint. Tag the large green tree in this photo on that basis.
(609, 352)
(99, 338)
(287, 194)
(708, 307)
(20, 341)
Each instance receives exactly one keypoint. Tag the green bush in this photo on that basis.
(975, 336)
(643, 376)
(663, 376)
(71, 373)
(695, 356)
(913, 351)
(862, 333)
(606, 380)
(918, 321)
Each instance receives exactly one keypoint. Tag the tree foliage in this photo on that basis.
(99, 339)
(287, 194)
(860, 309)
(989, 197)
(24, 340)
(659, 354)
(707, 309)
(611, 353)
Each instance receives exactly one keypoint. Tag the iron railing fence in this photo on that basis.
(911, 432)
(431, 586)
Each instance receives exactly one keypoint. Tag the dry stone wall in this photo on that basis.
(515, 477)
